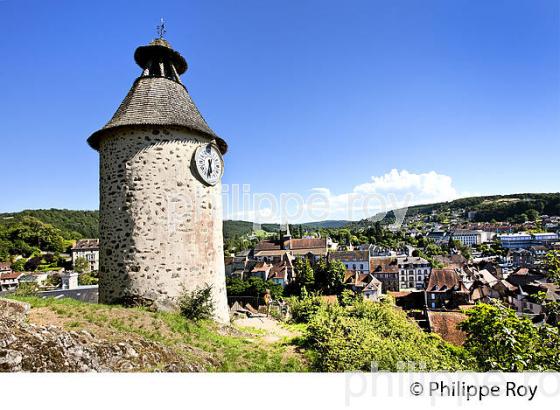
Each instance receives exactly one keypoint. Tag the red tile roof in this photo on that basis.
(10, 275)
(354, 256)
(315, 243)
(445, 324)
(261, 267)
(442, 280)
(384, 264)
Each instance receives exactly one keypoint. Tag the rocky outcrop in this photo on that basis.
(11, 309)
(34, 348)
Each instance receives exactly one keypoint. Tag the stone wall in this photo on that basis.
(160, 226)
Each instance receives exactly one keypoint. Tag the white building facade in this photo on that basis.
(88, 249)
(413, 272)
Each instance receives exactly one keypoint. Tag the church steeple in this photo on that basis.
(288, 234)
(286, 237)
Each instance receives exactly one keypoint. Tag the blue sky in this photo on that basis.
(438, 98)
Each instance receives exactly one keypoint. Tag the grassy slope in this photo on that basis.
(216, 348)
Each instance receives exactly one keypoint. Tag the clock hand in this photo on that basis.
(209, 167)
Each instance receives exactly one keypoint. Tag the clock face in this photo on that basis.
(209, 163)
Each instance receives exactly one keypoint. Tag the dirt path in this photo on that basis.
(273, 331)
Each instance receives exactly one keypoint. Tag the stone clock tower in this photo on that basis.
(160, 191)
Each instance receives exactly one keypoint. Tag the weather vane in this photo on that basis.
(161, 28)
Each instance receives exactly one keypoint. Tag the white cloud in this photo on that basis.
(430, 186)
(395, 189)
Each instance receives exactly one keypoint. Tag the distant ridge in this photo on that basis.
(489, 207)
(76, 224)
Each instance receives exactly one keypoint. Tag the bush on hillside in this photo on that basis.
(374, 335)
(198, 304)
(304, 307)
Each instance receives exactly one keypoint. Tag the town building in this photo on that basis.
(468, 237)
(376, 250)
(365, 284)
(439, 237)
(413, 272)
(9, 280)
(37, 278)
(69, 280)
(235, 266)
(353, 260)
(269, 250)
(521, 258)
(5, 267)
(88, 249)
(445, 290)
(524, 240)
(386, 270)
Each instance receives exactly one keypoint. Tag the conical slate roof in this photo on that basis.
(157, 97)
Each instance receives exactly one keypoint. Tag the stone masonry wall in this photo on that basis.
(160, 226)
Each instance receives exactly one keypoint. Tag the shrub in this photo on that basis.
(53, 281)
(303, 308)
(197, 305)
(348, 297)
(377, 334)
(27, 289)
(88, 278)
(33, 263)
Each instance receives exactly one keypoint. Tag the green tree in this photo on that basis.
(33, 263)
(304, 272)
(19, 265)
(552, 263)
(329, 276)
(500, 340)
(532, 215)
(81, 265)
(335, 276)
(253, 286)
(27, 289)
(348, 297)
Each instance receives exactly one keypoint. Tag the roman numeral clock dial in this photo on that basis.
(209, 164)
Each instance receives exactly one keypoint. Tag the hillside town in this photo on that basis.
(442, 267)
(435, 266)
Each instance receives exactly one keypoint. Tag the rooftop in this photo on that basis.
(158, 97)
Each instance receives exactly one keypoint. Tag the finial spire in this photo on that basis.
(161, 28)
